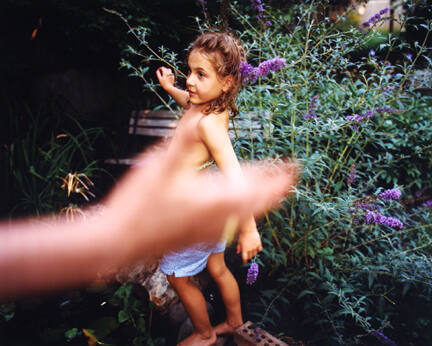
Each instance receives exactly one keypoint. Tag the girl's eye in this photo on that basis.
(201, 74)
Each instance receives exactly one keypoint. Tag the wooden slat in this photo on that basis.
(126, 162)
(147, 122)
(154, 131)
(161, 113)
(161, 123)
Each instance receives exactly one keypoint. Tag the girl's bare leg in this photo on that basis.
(196, 307)
(230, 293)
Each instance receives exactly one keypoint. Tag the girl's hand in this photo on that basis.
(166, 77)
(249, 244)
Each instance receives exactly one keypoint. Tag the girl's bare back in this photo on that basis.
(197, 152)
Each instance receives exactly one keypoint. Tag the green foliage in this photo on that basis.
(43, 148)
(349, 275)
(344, 279)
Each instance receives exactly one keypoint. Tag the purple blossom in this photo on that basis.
(310, 114)
(251, 73)
(352, 175)
(274, 64)
(248, 72)
(372, 52)
(409, 56)
(257, 5)
(252, 273)
(358, 118)
(367, 206)
(427, 203)
(375, 18)
(383, 339)
(389, 110)
(384, 11)
(390, 194)
(268, 23)
(379, 219)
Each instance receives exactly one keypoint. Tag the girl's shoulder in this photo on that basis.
(213, 122)
(215, 118)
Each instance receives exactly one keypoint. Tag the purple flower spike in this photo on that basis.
(250, 73)
(383, 339)
(384, 11)
(375, 18)
(252, 273)
(427, 203)
(390, 194)
(379, 219)
(352, 175)
(310, 114)
(257, 5)
(367, 206)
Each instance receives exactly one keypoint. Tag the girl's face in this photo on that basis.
(203, 83)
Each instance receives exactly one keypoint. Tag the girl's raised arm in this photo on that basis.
(166, 80)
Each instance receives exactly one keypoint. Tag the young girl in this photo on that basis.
(213, 81)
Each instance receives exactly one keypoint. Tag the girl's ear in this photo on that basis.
(227, 83)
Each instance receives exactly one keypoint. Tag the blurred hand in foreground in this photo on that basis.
(157, 206)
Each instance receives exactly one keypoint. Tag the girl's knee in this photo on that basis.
(217, 269)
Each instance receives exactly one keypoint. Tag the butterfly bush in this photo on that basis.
(379, 219)
(375, 18)
(427, 203)
(310, 114)
(384, 340)
(252, 273)
(367, 206)
(251, 74)
(259, 8)
(370, 113)
(311, 241)
(390, 194)
(352, 175)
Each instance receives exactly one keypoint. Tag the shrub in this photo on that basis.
(345, 257)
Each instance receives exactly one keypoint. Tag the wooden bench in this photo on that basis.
(162, 124)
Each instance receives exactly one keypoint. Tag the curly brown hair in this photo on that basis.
(226, 53)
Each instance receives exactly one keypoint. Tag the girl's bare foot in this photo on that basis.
(199, 340)
(225, 328)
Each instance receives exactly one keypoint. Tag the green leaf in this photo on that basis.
(72, 333)
(123, 316)
(305, 292)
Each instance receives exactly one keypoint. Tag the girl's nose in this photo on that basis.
(189, 80)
